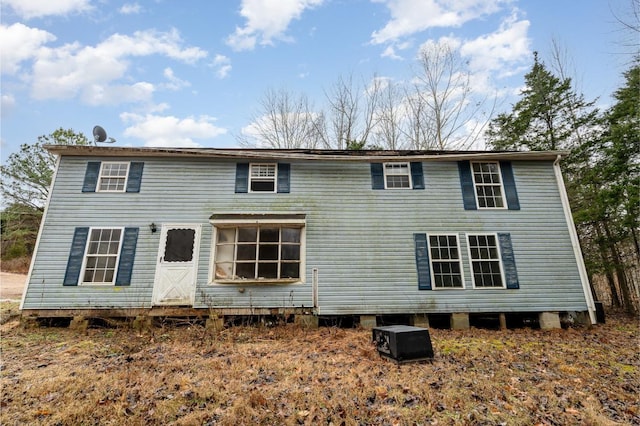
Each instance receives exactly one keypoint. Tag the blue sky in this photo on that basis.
(191, 73)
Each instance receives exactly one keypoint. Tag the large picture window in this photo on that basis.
(258, 252)
(101, 258)
(486, 264)
(446, 268)
(486, 178)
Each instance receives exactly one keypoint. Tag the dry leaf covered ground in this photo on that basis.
(189, 375)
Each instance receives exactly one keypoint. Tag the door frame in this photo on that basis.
(165, 227)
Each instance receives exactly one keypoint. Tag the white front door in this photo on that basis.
(177, 269)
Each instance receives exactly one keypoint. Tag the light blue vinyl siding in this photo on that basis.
(359, 239)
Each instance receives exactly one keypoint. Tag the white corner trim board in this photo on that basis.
(575, 242)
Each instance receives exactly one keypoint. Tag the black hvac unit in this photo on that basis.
(403, 343)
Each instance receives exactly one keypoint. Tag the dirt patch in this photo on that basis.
(288, 376)
(11, 285)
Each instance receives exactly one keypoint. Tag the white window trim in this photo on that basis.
(433, 278)
(100, 176)
(230, 223)
(476, 185)
(384, 173)
(500, 263)
(275, 177)
(81, 281)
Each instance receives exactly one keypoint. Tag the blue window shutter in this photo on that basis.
(377, 176)
(91, 176)
(135, 176)
(422, 261)
(127, 255)
(466, 184)
(508, 261)
(284, 170)
(509, 184)
(417, 177)
(242, 177)
(76, 256)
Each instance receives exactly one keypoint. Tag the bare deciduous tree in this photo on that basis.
(388, 132)
(442, 106)
(284, 121)
(351, 114)
(439, 111)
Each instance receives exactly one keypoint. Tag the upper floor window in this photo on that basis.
(397, 175)
(113, 177)
(262, 177)
(488, 185)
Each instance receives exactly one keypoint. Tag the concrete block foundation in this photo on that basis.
(142, 323)
(306, 321)
(79, 323)
(368, 321)
(460, 321)
(214, 323)
(549, 320)
(420, 320)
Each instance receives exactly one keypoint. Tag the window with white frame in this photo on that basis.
(101, 256)
(488, 184)
(259, 252)
(486, 264)
(113, 177)
(397, 175)
(262, 177)
(446, 267)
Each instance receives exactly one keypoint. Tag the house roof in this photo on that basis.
(300, 154)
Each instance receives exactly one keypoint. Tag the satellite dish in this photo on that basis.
(100, 135)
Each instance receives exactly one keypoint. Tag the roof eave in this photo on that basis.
(300, 154)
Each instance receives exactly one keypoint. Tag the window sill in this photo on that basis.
(96, 285)
(257, 282)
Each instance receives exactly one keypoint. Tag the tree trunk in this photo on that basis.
(627, 303)
(636, 244)
(615, 298)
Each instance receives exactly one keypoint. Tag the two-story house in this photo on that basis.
(152, 231)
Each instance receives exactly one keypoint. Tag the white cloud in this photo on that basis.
(144, 43)
(222, 65)
(412, 16)
(170, 131)
(7, 104)
(267, 21)
(117, 94)
(508, 45)
(38, 8)
(130, 9)
(449, 43)
(20, 43)
(390, 53)
(93, 72)
(174, 83)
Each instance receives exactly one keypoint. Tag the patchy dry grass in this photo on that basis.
(288, 375)
(18, 265)
(9, 310)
